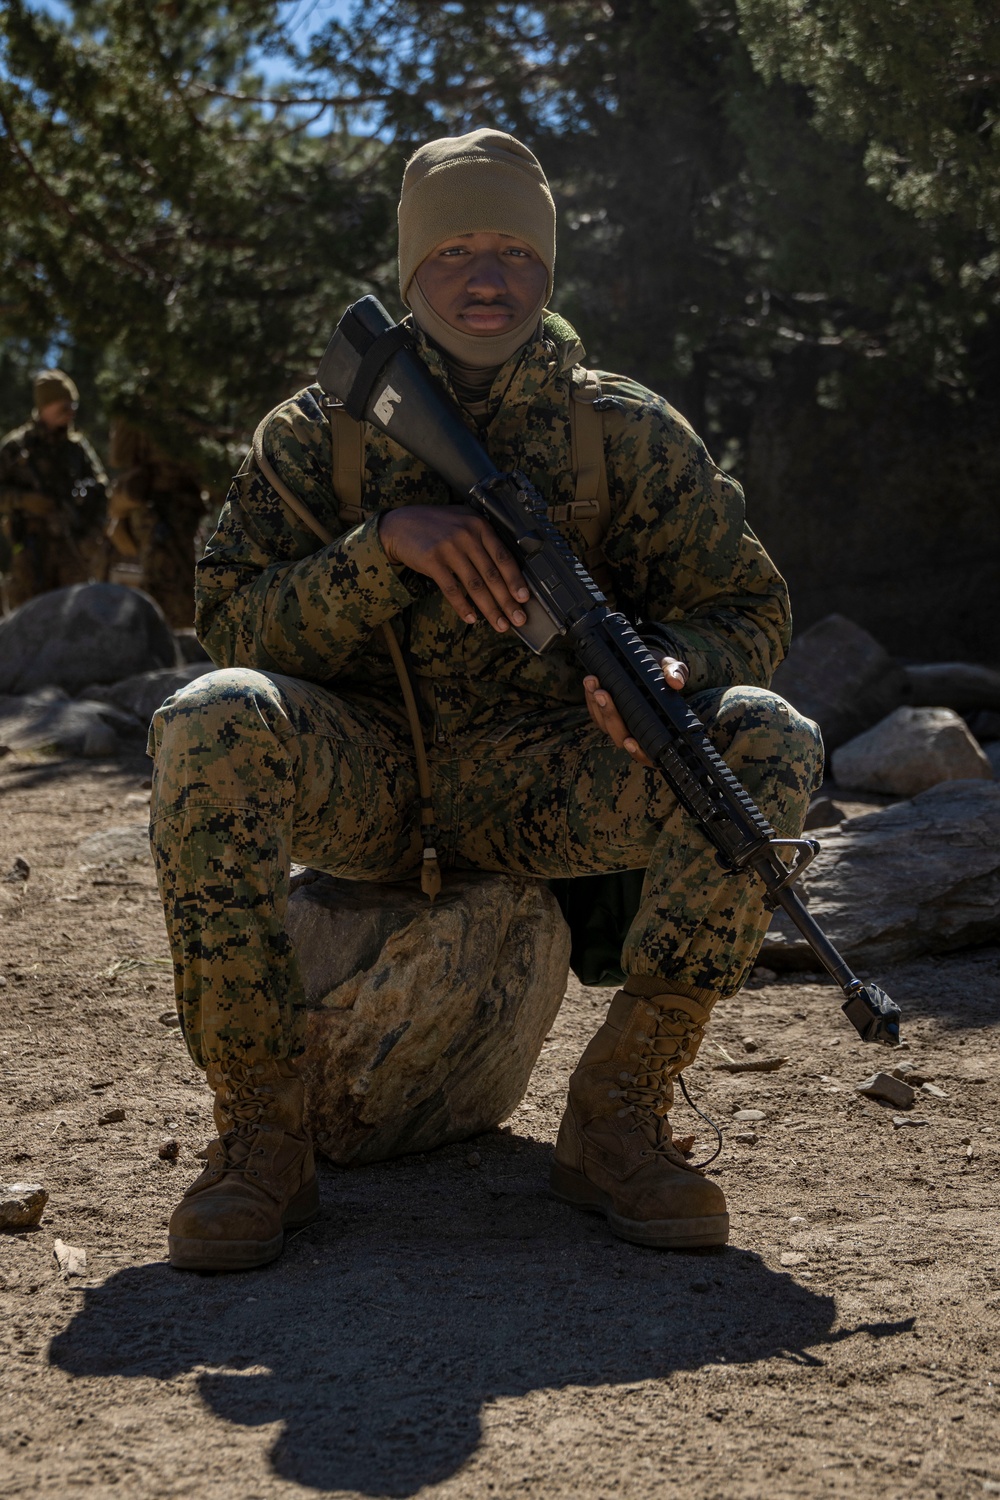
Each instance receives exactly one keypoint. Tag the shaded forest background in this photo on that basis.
(782, 215)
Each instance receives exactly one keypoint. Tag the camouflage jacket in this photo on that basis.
(62, 466)
(678, 550)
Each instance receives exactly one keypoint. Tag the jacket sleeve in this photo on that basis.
(269, 593)
(92, 464)
(13, 488)
(683, 555)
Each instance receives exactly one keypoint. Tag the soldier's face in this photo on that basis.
(57, 414)
(482, 283)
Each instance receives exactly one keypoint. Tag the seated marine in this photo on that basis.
(298, 746)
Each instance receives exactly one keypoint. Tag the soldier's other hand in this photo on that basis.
(33, 503)
(465, 558)
(602, 710)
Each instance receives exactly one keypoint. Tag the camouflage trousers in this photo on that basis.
(167, 556)
(254, 770)
(39, 560)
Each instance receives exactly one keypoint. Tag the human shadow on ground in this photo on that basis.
(425, 1291)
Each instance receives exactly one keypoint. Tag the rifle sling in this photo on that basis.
(430, 869)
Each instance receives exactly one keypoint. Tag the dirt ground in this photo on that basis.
(445, 1329)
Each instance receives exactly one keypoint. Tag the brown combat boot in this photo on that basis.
(261, 1176)
(615, 1152)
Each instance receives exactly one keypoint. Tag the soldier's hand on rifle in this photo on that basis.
(606, 716)
(465, 558)
(33, 503)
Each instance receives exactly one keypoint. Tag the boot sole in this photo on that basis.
(573, 1188)
(187, 1254)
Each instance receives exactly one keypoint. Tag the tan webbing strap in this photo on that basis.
(588, 439)
(347, 441)
(430, 870)
(590, 510)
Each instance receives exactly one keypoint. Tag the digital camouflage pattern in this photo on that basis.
(300, 749)
(53, 498)
(254, 770)
(678, 551)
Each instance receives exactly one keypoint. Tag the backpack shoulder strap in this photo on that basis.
(587, 429)
(590, 508)
(347, 441)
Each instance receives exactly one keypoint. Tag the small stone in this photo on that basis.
(764, 976)
(823, 813)
(792, 1257)
(18, 872)
(169, 1150)
(933, 1090)
(892, 1090)
(749, 1045)
(746, 1137)
(21, 1204)
(128, 844)
(170, 1018)
(72, 1260)
(900, 1120)
(699, 1286)
(967, 1140)
(749, 1116)
(912, 1074)
(752, 1065)
(473, 1159)
(798, 1219)
(111, 1117)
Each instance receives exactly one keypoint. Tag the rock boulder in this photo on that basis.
(189, 648)
(909, 751)
(919, 877)
(142, 694)
(92, 632)
(954, 684)
(984, 723)
(49, 722)
(425, 1021)
(839, 675)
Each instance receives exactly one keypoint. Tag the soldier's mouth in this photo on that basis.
(487, 318)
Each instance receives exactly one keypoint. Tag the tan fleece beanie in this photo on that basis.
(53, 385)
(469, 184)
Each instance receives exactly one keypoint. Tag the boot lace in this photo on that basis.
(648, 1093)
(245, 1101)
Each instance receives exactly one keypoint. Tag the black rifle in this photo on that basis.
(373, 370)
